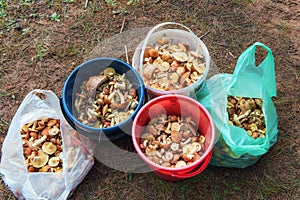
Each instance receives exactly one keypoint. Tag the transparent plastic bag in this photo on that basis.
(234, 147)
(76, 159)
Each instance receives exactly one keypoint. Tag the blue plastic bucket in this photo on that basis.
(72, 86)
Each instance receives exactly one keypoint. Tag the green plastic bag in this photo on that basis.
(234, 147)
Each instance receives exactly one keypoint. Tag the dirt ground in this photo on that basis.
(39, 49)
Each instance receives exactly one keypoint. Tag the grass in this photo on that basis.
(44, 41)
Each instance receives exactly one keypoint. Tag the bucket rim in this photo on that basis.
(171, 176)
(155, 166)
(186, 89)
(113, 128)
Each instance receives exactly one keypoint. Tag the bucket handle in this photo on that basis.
(148, 37)
(192, 173)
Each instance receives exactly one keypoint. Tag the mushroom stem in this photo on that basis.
(39, 141)
(237, 119)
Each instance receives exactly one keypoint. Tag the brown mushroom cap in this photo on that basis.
(49, 148)
(40, 160)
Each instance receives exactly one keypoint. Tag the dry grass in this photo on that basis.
(39, 52)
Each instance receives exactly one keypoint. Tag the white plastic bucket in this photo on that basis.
(185, 36)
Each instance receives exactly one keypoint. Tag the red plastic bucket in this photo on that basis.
(181, 106)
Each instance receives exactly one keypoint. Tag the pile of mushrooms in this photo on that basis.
(172, 141)
(169, 66)
(247, 113)
(106, 100)
(42, 145)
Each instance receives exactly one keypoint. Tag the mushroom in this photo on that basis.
(25, 128)
(180, 163)
(200, 68)
(54, 131)
(54, 161)
(180, 56)
(104, 109)
(93, 82)
(121, 85)
(134, 104)
(168, 131)
(175, 126)
(116, 94)
(176, 136)
(175, 147)
(196, 147)
(45, 168)
(32, 128)
(151, 129)
(195, 76)
(184, 77)
(183, 47)
(168, 157)
(45, 131)
(186, 134)
(39, 141)
(49, 148)
(150, 151)
(164, 66)
(165, 56)
(41, 125)
(56, 170)
(237, 119)
(40, 159)
(187, 148)
(153, 53)
(163, 143)
(192, 129)
(258, 102)
(166, 164)
(175, 158)
(132, 92)
(202, 139)
(188, 157)
(52, 122)
(109, 71)
(148, 70)
(180, 70)
(187, 141)
(31, 169)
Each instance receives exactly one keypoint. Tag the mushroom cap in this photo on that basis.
(180, 163)
(54, 130)
(175, 126)
(93, 82)
(45, 168)
(176, 136)
(54, 161)
(40, 160)
(49, 148)
(57, 170)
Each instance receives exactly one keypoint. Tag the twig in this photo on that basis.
(231, 55)
(123, 23)
(222, 44)
(126, 53)
(86, 3)
(202, 36)
(157, 1)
